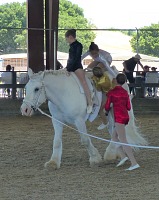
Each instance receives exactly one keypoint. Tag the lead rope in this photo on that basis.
(99, 138)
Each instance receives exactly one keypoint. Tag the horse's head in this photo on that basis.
(35, 93)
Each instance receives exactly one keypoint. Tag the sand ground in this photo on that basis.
(26, 144)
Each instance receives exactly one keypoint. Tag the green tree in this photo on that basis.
(71, 16)
(148, 40)
(12, 16)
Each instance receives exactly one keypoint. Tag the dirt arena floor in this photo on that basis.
(26, 144)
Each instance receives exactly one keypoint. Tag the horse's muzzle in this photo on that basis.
(27, 110)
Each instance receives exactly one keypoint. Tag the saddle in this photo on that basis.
(96, 96)
(91, 86)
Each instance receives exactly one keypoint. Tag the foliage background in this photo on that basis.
(13, 15)
(148, 40)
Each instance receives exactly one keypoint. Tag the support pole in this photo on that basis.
(14, 82)
(137, 45)
(35, 19)
(51, 23)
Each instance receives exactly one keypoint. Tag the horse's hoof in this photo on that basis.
(51, 165)
(95, 163)
(109, 162)
(108, 157)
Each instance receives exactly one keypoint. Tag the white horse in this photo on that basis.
(68, 105)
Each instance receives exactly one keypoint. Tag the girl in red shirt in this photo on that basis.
(119, 98)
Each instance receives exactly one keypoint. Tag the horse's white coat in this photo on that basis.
(66, 104)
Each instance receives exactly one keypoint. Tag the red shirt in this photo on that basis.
(121, 104)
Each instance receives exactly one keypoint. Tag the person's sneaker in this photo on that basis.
(102, 126)
(89, 109)
(122, 162)
(133, 167)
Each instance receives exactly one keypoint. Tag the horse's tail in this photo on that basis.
(132, 132)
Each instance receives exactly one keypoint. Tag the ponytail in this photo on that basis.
(93, 47)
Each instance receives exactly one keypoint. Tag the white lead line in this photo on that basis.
(99, 138)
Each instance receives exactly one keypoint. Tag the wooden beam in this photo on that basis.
(35, 21)
(51, 23)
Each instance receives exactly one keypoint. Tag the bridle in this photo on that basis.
(35, 104)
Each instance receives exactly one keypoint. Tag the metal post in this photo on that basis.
(55, 50)
(137, 45)
(137, 41)
(14, 81)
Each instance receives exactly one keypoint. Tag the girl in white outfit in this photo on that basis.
(98, 56)
(104, 57)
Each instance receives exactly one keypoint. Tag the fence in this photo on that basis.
(13, 83)
(115, 41)
(17, 80)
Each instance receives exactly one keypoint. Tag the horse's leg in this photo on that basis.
(55, 161)
(95, 157)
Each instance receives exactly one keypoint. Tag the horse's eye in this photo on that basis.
(36, 89)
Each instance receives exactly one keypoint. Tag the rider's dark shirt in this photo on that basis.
(74, 60)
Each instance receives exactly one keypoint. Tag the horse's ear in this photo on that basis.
(30, 72)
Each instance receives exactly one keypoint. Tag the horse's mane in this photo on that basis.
(55, 72)
(52, 72)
